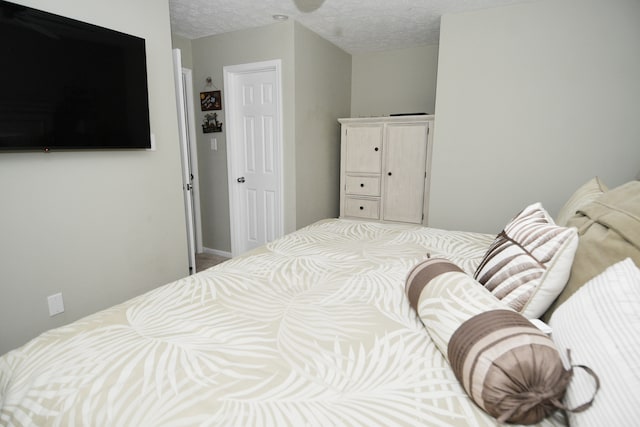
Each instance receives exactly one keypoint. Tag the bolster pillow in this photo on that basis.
(506, 365)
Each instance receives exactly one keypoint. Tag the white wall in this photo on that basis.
(394, 81)
(533, 100)
(323, 83)
(98, 226)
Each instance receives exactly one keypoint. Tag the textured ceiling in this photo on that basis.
(357, 26)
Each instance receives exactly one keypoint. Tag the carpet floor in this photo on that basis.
(204, 261)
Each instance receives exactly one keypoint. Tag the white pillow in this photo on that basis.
(600, 324)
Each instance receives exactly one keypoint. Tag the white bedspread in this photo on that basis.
(313, 329)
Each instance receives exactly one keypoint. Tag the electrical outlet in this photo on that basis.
(56, 304)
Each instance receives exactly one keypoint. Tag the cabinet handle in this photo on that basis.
(389, 174)
(376, 149)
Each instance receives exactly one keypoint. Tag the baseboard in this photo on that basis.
(216, 252)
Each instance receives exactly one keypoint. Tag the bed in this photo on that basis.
(314, 328)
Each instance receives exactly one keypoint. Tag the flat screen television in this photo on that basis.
(70, 85)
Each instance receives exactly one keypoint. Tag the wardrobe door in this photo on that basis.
(404, 172)
(363, 149)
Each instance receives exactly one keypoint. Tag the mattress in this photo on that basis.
(311, 329)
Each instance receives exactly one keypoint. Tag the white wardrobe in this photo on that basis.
(384, 168)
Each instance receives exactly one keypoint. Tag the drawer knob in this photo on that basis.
(389, 173)
(361, 208)
(376, 149)
(361, 185)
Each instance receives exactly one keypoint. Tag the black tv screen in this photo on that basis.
(66, 84)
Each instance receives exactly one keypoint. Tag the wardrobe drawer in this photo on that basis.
(362, 185)
(362, 208)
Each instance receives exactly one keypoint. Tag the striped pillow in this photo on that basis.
(508, 367)
(422, 273)
(528, 264)
(600, 323)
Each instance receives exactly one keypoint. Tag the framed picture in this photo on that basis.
(210, 100)
(211, 123)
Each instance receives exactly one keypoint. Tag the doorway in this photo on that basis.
(253, 103)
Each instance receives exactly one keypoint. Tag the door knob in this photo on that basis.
(241, 179)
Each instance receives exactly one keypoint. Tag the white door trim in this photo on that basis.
(234, 134)
(187, 75)
(184, 159)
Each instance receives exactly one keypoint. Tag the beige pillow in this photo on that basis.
(609, 231)
(584, 195)
(528, 264)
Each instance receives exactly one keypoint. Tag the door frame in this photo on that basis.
(188, 155)
(231, 74)
(187, 75)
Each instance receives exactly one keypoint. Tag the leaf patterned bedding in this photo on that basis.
(311, 329)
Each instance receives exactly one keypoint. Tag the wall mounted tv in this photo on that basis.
(69, 85)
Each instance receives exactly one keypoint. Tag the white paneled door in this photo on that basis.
(254, 154)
